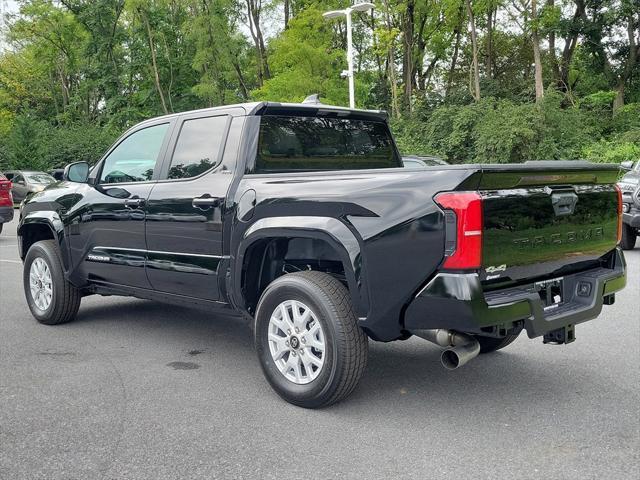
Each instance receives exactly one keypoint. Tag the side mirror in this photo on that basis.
(76, 172)
(627, 165)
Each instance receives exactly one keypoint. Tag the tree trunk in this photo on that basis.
(241, 81)
(488, 59)
(474, 46)
(536, 53)
(570, 43)
(456, 48)
(555, 67)
(286, 13)
(254, 8)
(407, 60)
(420, 55)
(154, 63)
(630, 63)
(391, 67)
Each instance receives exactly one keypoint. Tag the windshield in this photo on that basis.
(292, 143)
(40, 178)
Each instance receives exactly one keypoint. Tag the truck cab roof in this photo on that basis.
(275, 108)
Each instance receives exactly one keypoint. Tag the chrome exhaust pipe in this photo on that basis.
(458, 356)
(460, 347)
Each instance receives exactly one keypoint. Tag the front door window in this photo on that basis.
(134, 159)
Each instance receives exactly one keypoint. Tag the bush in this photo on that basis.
(88, 143)
(503, 131)
(35, 144)
(611, 152)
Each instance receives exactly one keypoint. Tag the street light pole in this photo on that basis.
(358, 7)
(352, 88)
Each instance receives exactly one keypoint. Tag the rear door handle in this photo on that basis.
(134, 202)
(205, 201)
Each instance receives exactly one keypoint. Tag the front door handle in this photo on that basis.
(205, 201)
(134, 202)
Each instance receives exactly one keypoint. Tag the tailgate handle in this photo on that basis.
(564, 203)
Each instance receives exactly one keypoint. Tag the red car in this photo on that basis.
(6, 201)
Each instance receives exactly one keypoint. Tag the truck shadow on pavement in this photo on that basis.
(399, 374)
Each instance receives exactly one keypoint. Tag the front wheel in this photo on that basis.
(51, 298)
(629, 237)
(309, 344)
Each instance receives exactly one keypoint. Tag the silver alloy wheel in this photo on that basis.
(41, 284)
(296, 342)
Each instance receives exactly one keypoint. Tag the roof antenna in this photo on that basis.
(312, 99)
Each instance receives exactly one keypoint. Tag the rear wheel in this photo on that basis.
(629, 237)
(309, 344)
(1, 224)
(491, 344)
(51, 299)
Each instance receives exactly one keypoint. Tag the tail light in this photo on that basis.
(463, 212)
(619, 213)
(6, 199)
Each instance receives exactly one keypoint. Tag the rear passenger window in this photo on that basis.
(198, 147)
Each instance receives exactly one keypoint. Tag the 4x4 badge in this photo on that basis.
(499, 268)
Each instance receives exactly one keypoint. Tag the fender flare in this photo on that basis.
(328, 229)
(54, 223)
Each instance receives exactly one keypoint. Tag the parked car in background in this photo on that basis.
(630, 186)
(25, 182)
(415, 161)
(57, 173)
(6, 201)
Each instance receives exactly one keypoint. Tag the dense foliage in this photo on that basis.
(469, 80)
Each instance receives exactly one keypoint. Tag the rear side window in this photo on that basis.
(292, 143)
(198, 147)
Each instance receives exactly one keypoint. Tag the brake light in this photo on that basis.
(467, 207)
(619, 213)
(6, 200)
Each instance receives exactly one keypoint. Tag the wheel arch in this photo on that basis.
(269, 240)
(46, 226)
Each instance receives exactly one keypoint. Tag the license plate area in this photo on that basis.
(551, 293)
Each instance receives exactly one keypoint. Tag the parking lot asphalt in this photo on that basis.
(140, 390)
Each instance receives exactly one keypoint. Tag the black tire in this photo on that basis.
(1, 224)
(629, 237)
(65, 299)
(346, 345)
(491, 344)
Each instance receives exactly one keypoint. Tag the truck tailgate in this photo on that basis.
(539, 218)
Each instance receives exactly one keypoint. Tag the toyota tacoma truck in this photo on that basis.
(301, 218)
(630, 186)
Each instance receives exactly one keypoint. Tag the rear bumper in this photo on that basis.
(456, 301)
(6, 214)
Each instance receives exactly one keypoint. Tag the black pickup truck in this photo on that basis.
(301, 218)
(630, 186)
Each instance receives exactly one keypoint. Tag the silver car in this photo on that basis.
(25, 182)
